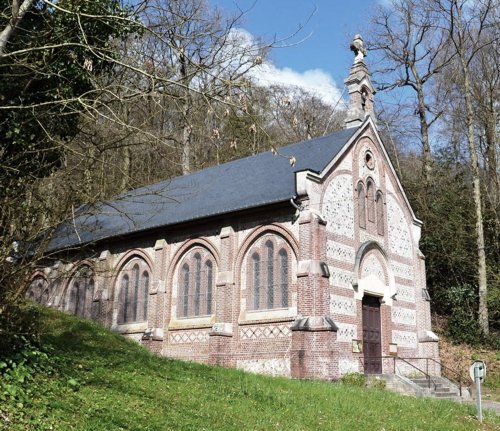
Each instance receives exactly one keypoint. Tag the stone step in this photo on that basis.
(439, 388)
(447, 393)
(450, 396)
(425, 383)
(432, 386)
(442, 389)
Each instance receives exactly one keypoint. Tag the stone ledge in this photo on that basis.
(314, 324)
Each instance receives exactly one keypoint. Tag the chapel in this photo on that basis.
(310, 269)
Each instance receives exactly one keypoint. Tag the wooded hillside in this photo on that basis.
(104, 96)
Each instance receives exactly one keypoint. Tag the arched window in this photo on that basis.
(256, 281)
(370, 197)
(270, 274)
(81, 293)
(134, 291)
(38, 290)
(185, 285)
(196, 281)
(45, 297)
(197, 284)
(124, 299)
(380, 213)
(361, 205)
(284, 277)
(268, 279)
(143, 307)
(209, 271)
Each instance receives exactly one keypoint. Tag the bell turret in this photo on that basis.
(359, 85)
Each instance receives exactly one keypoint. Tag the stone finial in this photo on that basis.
(358, 47)
(360, 88)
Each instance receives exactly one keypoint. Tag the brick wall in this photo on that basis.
(311, 338)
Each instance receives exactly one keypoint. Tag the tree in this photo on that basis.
(412, 50)
(51, 56)
(298, 115)
(93, 92)
(466, 25)
(206, 59)
(446, 52)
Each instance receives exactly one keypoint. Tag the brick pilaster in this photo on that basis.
(104, 295)
(157, 307)
(313, 351)
(221, 341)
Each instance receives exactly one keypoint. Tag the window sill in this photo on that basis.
(256, 316)
(130, 328)
(192, 322)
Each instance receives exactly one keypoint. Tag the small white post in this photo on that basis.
(478, 393)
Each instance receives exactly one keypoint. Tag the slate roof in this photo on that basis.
(241, 184)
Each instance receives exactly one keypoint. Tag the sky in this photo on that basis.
(314, 37)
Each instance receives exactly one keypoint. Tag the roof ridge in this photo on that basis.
(241, 159)
(257, 180)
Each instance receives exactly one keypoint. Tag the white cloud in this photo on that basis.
(315, 81)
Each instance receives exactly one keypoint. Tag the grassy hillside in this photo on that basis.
(103, 382)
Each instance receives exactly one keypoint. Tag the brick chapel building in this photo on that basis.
(310, 271)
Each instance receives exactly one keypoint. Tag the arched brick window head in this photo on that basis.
(134, 292)
(195, 284)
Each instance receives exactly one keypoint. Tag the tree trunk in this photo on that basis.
(483, 286)
(424, 128)
(493, 180)
(186, 146)
(88, 179)
(125, 168)
(424, 133)
(186, 128)
(18, 12)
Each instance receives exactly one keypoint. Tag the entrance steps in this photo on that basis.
(439, 387)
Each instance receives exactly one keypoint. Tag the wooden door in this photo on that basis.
(372, 345)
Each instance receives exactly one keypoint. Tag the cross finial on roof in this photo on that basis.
(358, 46)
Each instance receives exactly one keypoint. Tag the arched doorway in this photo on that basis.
(372, 335)
(374, 286)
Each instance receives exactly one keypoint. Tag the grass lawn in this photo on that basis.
(105, 382)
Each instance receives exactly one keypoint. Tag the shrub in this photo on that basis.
(354, 379)
(377, 383)
(462, 326)
(19, 328)
(21, 358)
